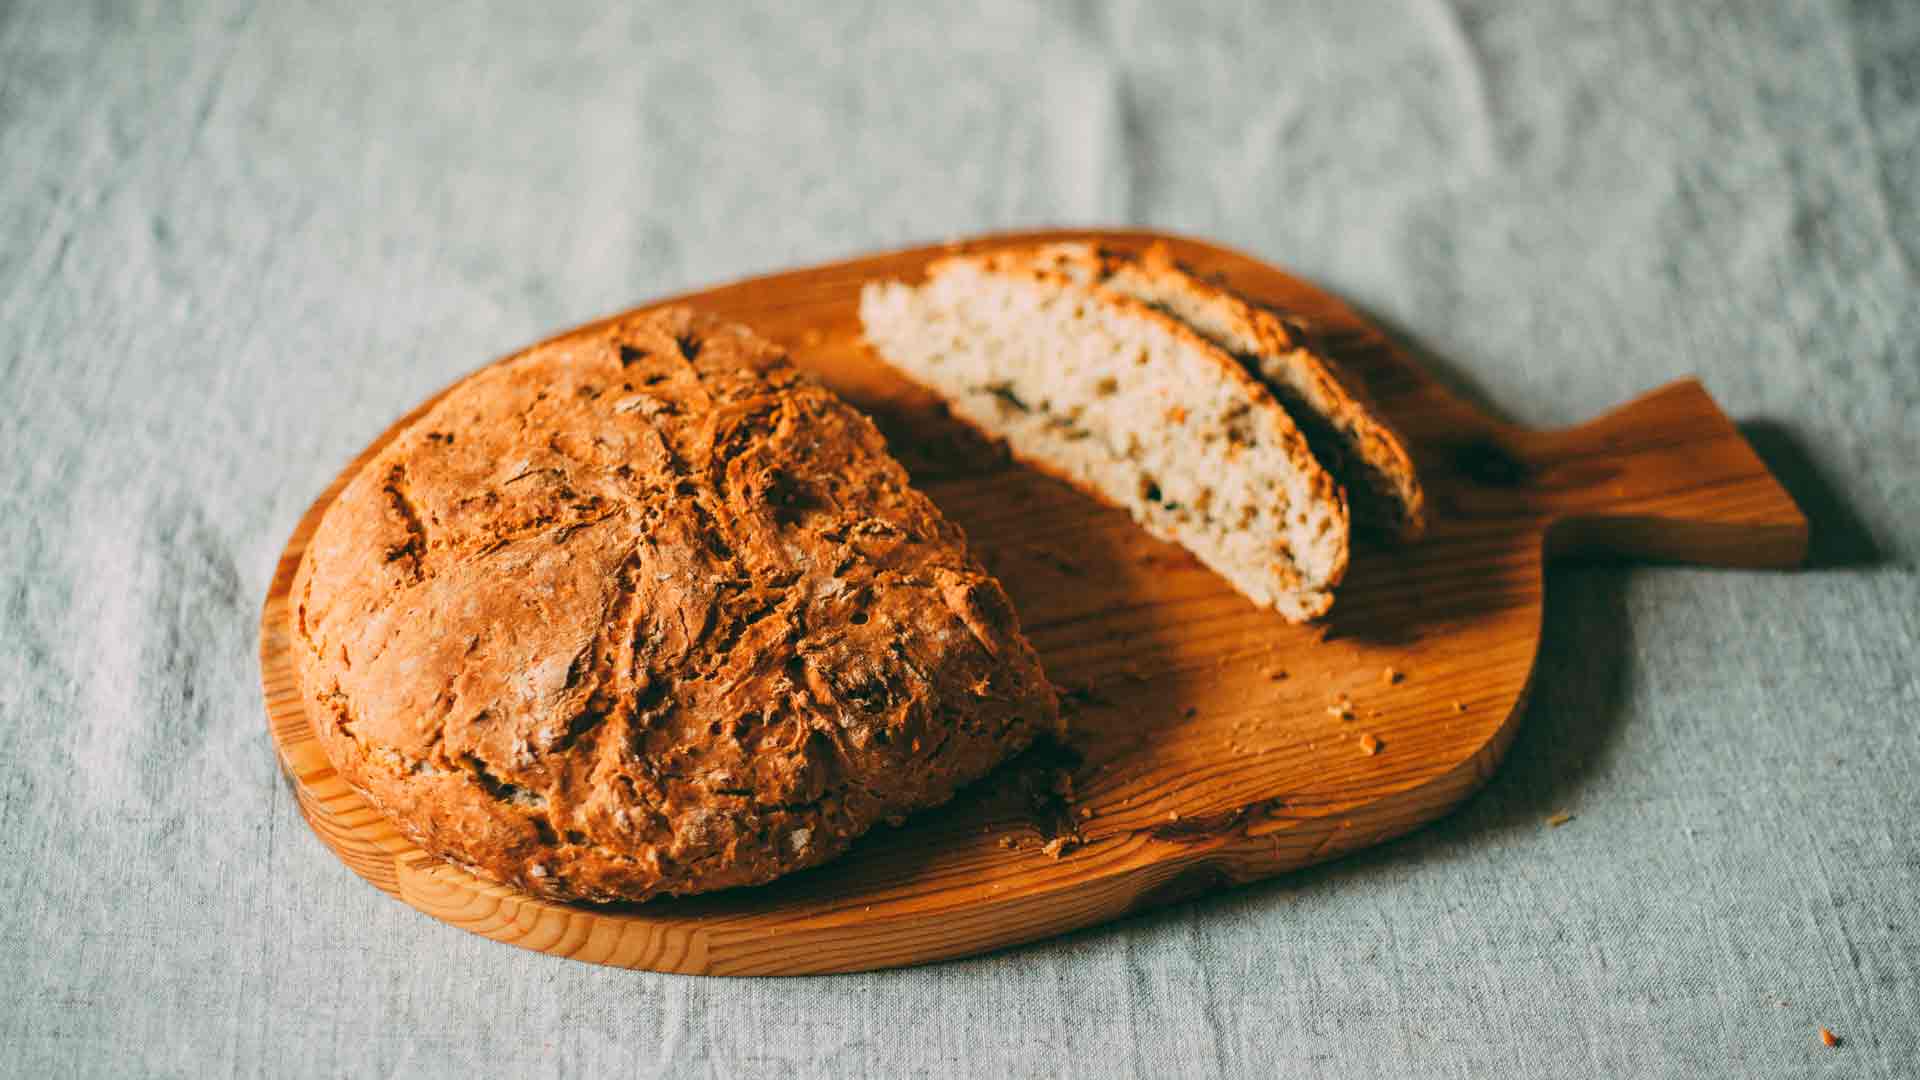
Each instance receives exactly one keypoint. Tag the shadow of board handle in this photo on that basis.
(1666, 477)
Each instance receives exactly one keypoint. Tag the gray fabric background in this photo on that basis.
(235, 242)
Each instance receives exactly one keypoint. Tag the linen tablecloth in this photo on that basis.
(237, 240)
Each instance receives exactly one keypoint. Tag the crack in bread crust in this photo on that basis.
(643, 611)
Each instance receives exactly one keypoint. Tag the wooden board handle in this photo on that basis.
(1664, 477)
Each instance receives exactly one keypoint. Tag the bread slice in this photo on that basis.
(1131, 405)
(1346, 433)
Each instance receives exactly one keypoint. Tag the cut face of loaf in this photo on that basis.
(1131, 405)
(1347, 436)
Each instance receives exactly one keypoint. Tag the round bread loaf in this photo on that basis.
(645, 611)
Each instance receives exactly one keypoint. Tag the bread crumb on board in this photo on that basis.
(1058, 846)
(1341, 709)
(1828, 1038)
(1559, 818)
(1370, 744)
(1276, 674)
(1459, 706)
(1391, 675)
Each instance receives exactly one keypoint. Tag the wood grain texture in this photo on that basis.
(1213, 743)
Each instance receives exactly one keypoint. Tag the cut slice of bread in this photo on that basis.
(1131, 405)
(1331, 407)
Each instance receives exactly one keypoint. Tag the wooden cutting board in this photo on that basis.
(1213, 743)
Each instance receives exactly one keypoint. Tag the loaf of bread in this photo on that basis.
(1129, 403)
(1347, 434)
(645, 611)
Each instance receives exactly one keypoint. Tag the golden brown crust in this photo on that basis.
(1352, 439)
(643, 611)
